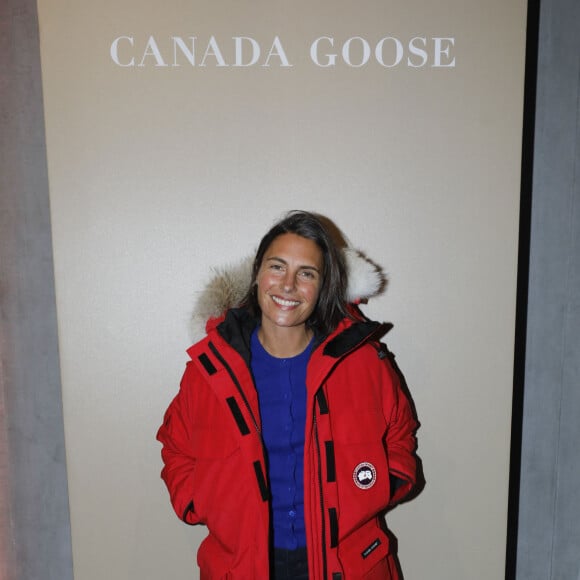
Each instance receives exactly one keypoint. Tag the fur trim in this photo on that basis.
(365, 278)
(226, 289)
(228, 286)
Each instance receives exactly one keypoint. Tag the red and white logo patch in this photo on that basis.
(364, 475)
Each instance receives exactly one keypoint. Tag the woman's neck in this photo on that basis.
(284, 342)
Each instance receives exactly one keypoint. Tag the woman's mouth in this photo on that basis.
(283, 302)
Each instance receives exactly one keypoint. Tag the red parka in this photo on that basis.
(358, 454)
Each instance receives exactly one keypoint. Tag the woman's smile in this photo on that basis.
(285, 303)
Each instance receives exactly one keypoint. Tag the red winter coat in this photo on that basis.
(359, 439)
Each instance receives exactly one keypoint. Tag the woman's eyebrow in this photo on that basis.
(276, 259)
(283, 261)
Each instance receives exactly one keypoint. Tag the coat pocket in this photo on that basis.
(362, 470)
(364, 553)
(213, 560)
(217, 453)
(209, 442)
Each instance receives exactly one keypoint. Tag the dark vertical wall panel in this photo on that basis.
(549, 517)
(34, 524)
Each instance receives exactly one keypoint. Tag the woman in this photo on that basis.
(290, 435)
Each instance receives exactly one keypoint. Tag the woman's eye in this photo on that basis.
(307, 274)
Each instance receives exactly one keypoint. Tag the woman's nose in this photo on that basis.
(288, 282)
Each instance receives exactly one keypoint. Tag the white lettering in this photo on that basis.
(189, 54)
(213, 50)
(115, 51)
(239, 51)
(398, 52)
(277, 50)
(439, 50)
(415, 50)
(331, 58)
(325, 52)
(151, 49)
(366, 52)
(389, 52)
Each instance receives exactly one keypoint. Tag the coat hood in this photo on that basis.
(228, 286)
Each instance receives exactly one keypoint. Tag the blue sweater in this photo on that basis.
(281, 386)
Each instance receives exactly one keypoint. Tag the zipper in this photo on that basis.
(320, 488)
(323, 405)
(232, 375)
(262, 483)
(216, 353)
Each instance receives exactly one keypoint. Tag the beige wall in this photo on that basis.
(158, 173)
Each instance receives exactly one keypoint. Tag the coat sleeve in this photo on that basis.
(177, 452)
(400, 440)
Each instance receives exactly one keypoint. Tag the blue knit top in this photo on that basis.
(281, 386)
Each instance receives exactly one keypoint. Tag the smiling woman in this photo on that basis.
(291, 435)
(288, 285)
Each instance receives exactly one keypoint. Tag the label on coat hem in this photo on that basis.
(365, 553)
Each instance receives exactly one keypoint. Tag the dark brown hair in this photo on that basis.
(331, 306)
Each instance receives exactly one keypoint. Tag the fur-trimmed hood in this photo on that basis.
(228, 286)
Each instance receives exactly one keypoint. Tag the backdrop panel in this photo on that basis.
(178, 132)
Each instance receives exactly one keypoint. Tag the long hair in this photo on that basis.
(331, 306)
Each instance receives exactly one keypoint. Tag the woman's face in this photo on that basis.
(289, 281)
